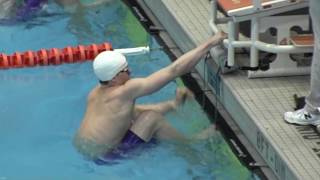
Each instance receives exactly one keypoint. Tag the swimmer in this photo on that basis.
(12, 11)
(21, 10)
(112, 119)
(6, 8)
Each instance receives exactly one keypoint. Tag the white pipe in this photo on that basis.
(273, 48)
(254, 53)
(239, 44)
(213, 27)
(134, 51)
(214, 10)
(231, 39)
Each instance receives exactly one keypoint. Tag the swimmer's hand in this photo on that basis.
(218, 38)
(182, 94)
(221, 35)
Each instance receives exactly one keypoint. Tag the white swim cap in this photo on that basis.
(108, 64)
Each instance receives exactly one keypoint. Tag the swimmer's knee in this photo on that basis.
(147, 124)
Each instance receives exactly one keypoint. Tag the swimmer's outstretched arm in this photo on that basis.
(138, 87)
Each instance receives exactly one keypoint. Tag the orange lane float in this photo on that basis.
(53, 56)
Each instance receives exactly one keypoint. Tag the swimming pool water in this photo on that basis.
(42, 107)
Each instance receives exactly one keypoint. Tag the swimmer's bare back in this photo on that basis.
(108, 117)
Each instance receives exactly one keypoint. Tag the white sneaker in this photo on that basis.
(302, 117)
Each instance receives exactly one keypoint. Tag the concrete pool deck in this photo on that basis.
(253, 107)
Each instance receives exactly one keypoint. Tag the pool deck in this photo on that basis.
(256, 106)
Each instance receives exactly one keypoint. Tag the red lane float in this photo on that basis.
(53, 56)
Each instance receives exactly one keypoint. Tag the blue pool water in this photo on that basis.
(42, 107)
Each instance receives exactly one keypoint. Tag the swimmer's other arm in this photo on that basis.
(182, 94)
